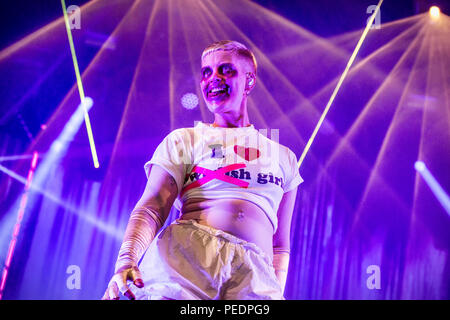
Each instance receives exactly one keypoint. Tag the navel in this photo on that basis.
(240, 215)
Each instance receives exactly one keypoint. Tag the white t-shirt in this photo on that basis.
(228, 163)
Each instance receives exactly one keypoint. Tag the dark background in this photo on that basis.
(21, 18)
(323, 17)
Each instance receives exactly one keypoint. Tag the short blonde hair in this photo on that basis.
(233, 46)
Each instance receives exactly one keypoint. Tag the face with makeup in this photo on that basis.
(226, 80)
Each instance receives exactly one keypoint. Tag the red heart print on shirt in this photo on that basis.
(248, 153)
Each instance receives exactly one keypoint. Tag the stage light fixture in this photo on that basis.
(435, 12)
(419, 166)
(189, 100)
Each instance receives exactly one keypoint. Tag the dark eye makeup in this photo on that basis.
(226, 69)
(206, 72)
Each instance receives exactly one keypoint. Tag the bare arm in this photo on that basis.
(147, 217)
(281, 238)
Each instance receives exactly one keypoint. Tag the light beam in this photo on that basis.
(80, 87)
(20, 214)
(434, 185)
(338, 86)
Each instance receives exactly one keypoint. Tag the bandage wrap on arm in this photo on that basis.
(142, 227)
(281, 264)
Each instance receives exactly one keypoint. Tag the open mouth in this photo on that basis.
(217, 92)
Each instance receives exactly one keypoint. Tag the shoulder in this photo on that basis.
(288, 157)
(178, 131)
(179, 134)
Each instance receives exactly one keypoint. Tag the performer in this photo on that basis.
(235, 190)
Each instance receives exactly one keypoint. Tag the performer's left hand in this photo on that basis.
(119, 280)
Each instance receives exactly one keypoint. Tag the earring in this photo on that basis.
(251, 79)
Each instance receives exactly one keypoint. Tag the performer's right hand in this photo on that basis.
(119, 280)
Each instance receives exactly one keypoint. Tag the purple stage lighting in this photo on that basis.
(434, 185)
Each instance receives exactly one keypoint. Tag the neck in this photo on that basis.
(232, 119)
(229, 121)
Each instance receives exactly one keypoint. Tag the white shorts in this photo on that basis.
(190, 261)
